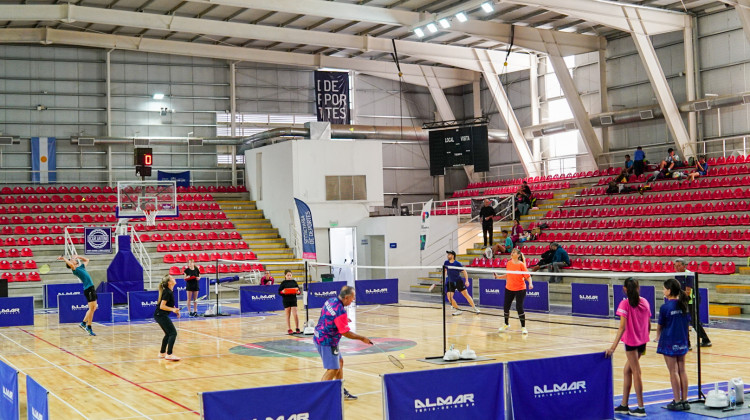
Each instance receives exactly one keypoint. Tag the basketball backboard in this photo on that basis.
(135, 198)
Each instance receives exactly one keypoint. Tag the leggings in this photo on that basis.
(519, 296)
(170, 333)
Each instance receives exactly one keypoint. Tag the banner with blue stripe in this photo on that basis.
(37, 407)
(43, 160)
(9, 408)
(308, 230)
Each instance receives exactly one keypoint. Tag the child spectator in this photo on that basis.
(267, 279)
(628, 164)
(672, 335)
(516, 231)
(290, 301)
(507, 245)
(701, 169)
(672, 161)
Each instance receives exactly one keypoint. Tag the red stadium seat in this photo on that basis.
(34, 276)
(169, 259)
(175, 271)
(20, 276)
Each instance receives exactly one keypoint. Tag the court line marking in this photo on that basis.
(74, 376)
(113, 374)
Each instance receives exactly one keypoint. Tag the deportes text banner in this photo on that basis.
(332, 96)
(580, 386)
(180, 289)
(16, 311)
(141, 305)
(317, 400)
(492, 293)
(43, 160)
(372, 292)
(647, 292)
(319, 293)
(458, 296)
(36, 400)
(98, 240)
(464, 392)
(424, 228)
(590, 299)
(52, 290)
(9, 409)
(72, 308)
(308, 231)
(260, 299)
(181, 179)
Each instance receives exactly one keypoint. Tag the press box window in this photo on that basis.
(346, 187)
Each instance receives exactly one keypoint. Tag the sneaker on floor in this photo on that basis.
(706, 344)
(90, 331)
(674, 406)
(348, 395)
(161, 355)
(297, 331)
(622, 409)
(476, 310)
(638, 412)
(82, 325)
(503, 328)
(685, 406)
(457, 312)
(524, 330)
(290, 332)
(171, 357)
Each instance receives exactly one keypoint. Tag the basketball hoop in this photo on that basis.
(150, 217)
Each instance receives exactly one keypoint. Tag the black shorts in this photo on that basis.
(192, 286)
(454, 286)
(290, 303)
(90, 294)
(640, 349)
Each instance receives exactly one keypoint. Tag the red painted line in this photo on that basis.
(110, 372)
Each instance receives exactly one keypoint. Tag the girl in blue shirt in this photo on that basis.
(672, 335)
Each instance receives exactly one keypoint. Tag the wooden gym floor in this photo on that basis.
(117, 374)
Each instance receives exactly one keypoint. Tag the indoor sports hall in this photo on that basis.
(374, 209)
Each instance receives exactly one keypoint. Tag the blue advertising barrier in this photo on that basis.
(97, 240)
(73, 308)
(51, 291)
(16, 311)
(260, 299)
(317, 400)
(373, 292)
(590, 299)
(37, 407)
(647, 292)
(180, 288)
(579, 385)
(703, 308)
(181, 179)
(9, 408)
(141, 305)
(464, 392)
(492, 293)
(459, 297)
(319, 293)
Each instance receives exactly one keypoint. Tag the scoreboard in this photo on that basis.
(459, 146)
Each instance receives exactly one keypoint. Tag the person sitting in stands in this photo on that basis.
(267, 279)
(507, 245)
(523, 204)
(628, 164)
(516, 231)
(672, 161)
(618, 184)
(559, 261)
(524, 188)
(701, 169)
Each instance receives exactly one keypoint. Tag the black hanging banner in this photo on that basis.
(332, 96)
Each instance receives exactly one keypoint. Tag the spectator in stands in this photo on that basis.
(560, 260)
(544, 261)
(628, 164)
(639, 161)
(672, 161)
(516, 231)
(507, 245)
(687, 283)
(701, 169)
(267, 279)
(617, 185)
(487, 216)
(523, 204)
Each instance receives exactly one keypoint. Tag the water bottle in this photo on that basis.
(732, 397)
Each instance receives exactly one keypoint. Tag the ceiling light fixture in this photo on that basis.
(461, 16)
(419, 32)
(158, 96)
(444, 23)
(432, 28)
(487, 7)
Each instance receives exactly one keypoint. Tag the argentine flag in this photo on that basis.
(43, 162)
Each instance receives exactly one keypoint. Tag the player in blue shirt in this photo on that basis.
(78, 265)
(672, 335)
(453, 282)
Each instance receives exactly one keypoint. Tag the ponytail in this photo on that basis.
(162, 285)
(676, 291)
(631, 287)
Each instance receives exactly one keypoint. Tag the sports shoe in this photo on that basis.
(161, 355)
(503, 328)
(91, 332)
(83, 326)
(622, 409)
(349, 396)
(524, 330)
(706, 344)
(476, 310)
(290, 332)
(457, 312)
(297, 331)
(685, 405)
(171, 357)
(674, 406)
(638, 412)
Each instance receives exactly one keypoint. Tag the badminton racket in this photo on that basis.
(391, 357)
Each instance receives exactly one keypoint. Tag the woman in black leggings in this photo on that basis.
(165, 305)
(515, 288)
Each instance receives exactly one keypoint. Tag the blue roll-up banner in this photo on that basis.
(464, 392)
(141, 305)
(260, 299)
(332, 96)
(372, 292)
(308, 230)
(492, 293)
(703, 307)
(180, 288)
(316, 400)
(580, 386)
(182, 179)
(16, 311)
(37, 405)
(72, 308)
(590, 299)
(9, 408)
(647, 292)
(319, 293)
(98, 240)
(51, 291)
(459, 297)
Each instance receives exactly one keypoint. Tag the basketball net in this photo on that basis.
(150, 217)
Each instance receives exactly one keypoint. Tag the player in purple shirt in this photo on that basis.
(334, 323)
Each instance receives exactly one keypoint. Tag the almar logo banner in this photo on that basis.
(330, 293)
(592, 298)
(443, 403)
(79, 307)
(492, 291)
(576, 387)
(532, 294)
(11, 311)
(264, 297)
(36, 415)
(68, 293)
(7, 393)
(372, 291)
(144, 304)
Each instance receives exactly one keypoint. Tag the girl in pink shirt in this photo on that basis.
(635, 326)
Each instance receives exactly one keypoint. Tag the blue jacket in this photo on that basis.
(561, 255)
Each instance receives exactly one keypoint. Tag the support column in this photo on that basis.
(593, 148)
(232, 115)
(604, 101)
(536, 142)
(645, 48)
(689, 46)
(743, 10)
(109, 117)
